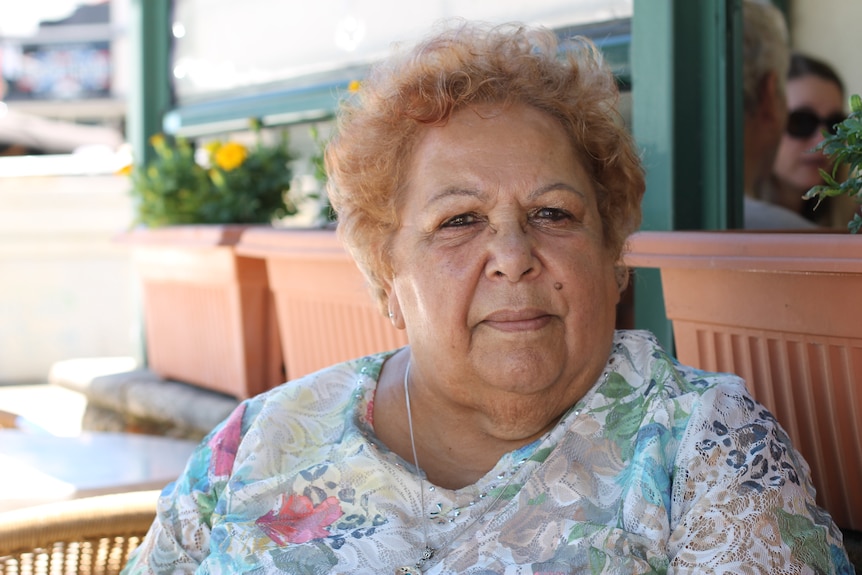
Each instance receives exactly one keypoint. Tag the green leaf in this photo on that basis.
(598, 558)
(844, 148)
(174, 189)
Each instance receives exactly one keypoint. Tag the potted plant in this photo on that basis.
(208, 311)
(781, 310)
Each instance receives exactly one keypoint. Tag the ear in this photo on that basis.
(772, 103)
(621, 280)
(621, 275)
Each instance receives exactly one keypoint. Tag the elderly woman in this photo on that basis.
(486, 188)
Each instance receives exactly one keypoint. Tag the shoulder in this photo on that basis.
(699, 402)
(646, 398)
(646, 392)
(761, 215)
(649, 370)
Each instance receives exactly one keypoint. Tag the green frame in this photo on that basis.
(149, 82)
(687, 119)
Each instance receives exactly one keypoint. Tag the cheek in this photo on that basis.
(789, 156)
(432, 290)
(593, 288)
(608, 288)
(787, 149)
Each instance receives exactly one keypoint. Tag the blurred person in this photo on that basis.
(815, 100)
(766, 59)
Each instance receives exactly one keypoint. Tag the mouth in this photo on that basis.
(517, 320)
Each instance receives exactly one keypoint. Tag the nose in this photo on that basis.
(511, 252)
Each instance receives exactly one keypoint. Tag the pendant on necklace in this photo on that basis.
(427, 554)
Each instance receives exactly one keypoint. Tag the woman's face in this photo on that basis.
(795, 164)
(502, 278)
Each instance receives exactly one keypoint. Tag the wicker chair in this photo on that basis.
(92, 535)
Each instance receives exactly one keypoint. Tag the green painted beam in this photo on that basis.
(686, 117)
(149, 73)
(284, 105)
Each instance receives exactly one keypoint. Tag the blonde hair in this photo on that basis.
(466, 64)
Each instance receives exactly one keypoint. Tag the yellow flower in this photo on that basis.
(157, 141)
(353, 87)
(230, 156)
(126, 170)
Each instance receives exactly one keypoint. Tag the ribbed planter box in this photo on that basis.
(325, 310)
(784, 311)
(208, 312)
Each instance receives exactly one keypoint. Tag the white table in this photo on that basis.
(40, 468)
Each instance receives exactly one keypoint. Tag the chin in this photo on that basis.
(524, 370)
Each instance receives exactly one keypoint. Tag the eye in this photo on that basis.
(460, 220)
(552, 214)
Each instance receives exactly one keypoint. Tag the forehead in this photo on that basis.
(815, 92)
(504, 138)
(479, 119)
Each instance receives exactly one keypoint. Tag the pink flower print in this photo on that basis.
(369, 413)
(299, 521)
(225, 443)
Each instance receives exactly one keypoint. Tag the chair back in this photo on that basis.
(93, 535)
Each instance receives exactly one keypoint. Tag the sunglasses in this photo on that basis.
(803, 123)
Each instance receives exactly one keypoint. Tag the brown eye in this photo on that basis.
(460, 220)
(552, 214)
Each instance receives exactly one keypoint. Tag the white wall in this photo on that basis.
(829, 30)
(66, 289)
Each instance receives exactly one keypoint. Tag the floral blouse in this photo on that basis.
(660, 468)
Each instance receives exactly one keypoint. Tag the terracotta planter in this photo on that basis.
(783, 311)
(208, 312)
(325, 310)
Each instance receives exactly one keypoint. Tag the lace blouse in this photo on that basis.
(659, 468)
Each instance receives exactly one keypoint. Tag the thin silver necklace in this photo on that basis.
(429, 552)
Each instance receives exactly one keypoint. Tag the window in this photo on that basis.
(287, 62)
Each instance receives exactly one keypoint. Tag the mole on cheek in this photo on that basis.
(558, 286)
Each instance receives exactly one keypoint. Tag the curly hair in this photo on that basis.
(463, 65)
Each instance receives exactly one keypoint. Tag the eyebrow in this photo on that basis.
(556, 186)
(472, 193)
(453, 191)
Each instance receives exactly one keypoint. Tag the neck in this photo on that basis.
(784, 194)
(455, 446)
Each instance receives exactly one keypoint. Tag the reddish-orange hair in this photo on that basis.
(463, 65)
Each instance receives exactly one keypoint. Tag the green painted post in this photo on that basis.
(687, 105)
(149, 73)
(149, 83)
